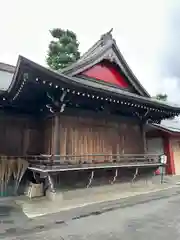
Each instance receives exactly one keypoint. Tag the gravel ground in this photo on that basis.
(158, 219)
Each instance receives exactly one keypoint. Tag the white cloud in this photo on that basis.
(139, 29)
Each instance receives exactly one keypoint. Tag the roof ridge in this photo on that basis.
(104, 40)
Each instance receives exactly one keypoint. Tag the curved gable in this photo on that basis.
(105, 49)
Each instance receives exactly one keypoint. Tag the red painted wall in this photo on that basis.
(170, 169)
(107, 73)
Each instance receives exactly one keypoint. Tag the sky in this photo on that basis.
(147, 33)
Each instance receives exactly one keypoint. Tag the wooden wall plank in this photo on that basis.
(19, 136)
(85, 135)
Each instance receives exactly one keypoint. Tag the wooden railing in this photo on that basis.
(91, 159)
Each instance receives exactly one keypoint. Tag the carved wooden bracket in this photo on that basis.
(143, 116)
(111, 57)
(57, 105)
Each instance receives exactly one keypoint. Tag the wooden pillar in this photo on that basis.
(56, 135)
(143, 134)
(170, 169)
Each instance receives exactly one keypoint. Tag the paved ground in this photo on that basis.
(158, 219)
(82, 197)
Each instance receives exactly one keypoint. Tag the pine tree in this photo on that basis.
(63, 51)
(162, 97)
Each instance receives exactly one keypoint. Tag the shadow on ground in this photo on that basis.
(11, 216)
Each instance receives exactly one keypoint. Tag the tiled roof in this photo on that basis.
(172, 125)
(105, 48)
(7, 68)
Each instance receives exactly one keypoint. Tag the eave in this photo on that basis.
(165, 129)
(29, 74)
(7, 67)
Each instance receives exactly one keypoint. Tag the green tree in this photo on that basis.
(161, 97)
(63, 50)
